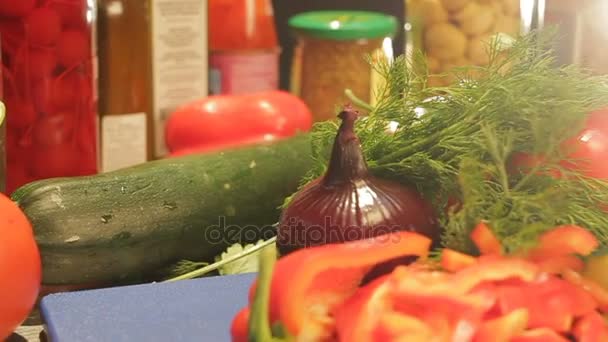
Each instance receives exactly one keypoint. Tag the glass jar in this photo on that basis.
(332, 56)
(49, 59)
(456, 33)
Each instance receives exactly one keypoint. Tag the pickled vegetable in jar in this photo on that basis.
(48, 59)
(456, 33)
(333, 55)
(2, 148)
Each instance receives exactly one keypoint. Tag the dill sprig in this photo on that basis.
(461, 148)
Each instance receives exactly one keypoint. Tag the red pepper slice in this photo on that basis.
(564, 240)
(596, 291)
(453, 261)
(239, 327)
(485, 240)
(327, 275)
(351, 318)
(503, 328)
(396, 327)
(551, 303)
(540, 335)
(590, 328)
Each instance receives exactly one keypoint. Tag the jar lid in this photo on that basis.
(344, 25)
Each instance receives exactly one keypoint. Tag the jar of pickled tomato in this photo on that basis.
(49, 76)
(2, 148)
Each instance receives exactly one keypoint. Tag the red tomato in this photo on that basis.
(43, 26)
(63, 90)
(55, 161)
(588, 151)
(20, 269)
(590, 148)
(54, 130)
(73, 48)
(13, 8)
(72, 13)
(41, 63)
(239, 330)
(19, 114)
(218, 120)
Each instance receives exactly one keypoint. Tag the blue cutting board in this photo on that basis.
(190, 310)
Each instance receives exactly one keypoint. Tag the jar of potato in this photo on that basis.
(455, 33)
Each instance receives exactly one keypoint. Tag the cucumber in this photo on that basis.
(122, 225)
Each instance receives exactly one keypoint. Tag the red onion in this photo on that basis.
(348, 203)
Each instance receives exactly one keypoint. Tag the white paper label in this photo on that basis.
(179, 59)
(123, 141)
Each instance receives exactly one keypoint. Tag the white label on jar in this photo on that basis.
(244, 72)
(123, 141)
(179, 59)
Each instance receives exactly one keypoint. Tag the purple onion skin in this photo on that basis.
(348, 203)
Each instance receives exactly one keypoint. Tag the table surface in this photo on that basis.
(190, 310)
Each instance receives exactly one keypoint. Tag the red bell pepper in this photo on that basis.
(564, 240)
(503, 328)
(453, 261)
(540, 335)
(326, 276)
(493, 297)
(485, 240)
(590, 328)
(223, 121)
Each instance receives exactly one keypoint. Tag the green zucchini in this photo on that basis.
(120, 225)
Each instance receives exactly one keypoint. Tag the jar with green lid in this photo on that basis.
(332, 55)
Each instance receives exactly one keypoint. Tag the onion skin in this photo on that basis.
(348, 203)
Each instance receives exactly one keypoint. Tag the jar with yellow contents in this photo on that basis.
(456, 33)
(332, 55)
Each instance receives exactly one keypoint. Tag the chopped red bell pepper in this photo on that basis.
(239, 327)
(590, 328)
(522, 298)
(396, 327)
(551, 303)
(564, 240)
(351, 318)
(503, 328)
(453, 261)
(327, 275)
(485, 240)
(596, 291)
(540, 335)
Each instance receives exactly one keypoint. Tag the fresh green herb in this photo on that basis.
(461, 147)
(227, 263)
(183, 267)
(247, 264)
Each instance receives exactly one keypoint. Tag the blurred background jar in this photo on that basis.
(332, 55)
(582, 34)
(244, 51)
(455, 33)
(49, 58)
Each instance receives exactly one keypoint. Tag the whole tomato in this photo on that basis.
(20, 269)
(588, 151)
(218, 121)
